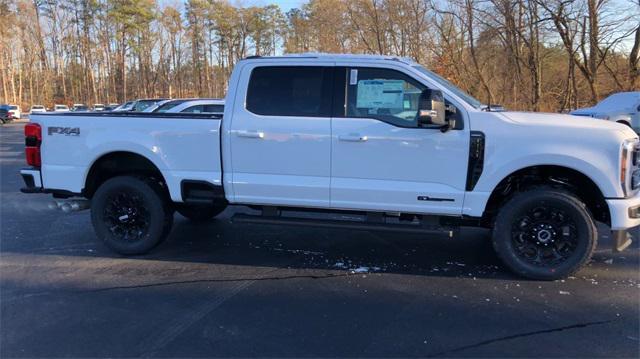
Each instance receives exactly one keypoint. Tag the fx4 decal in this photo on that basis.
(67, 131)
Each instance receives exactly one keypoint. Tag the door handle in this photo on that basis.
(250, 134)
(353, 138)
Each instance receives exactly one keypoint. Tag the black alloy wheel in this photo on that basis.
(544, 233)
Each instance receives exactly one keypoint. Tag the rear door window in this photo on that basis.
(300, 91)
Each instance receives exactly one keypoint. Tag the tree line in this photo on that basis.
(543, 55)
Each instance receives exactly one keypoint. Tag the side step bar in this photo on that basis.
(343, 224)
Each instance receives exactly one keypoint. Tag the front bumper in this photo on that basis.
(625, 212)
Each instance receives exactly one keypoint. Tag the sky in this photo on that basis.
(285, 5)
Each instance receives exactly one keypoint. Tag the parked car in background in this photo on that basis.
(15, 111)
(111, 107)
(98, 107)
(169, 105)
(37, 108)
(139, 105)
(166, 104)
(5, 116)
(127, 106)
(79, 107)
(214, 106)
(60, 108)
(621, 107)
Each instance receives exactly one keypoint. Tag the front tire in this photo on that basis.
(131, 215)
(544, 234)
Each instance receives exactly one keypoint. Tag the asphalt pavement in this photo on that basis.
(223, 289)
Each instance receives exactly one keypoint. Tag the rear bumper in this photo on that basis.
(33, 184)
(625, 212)
(32, 180)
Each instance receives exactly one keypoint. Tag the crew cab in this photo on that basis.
(347, 141)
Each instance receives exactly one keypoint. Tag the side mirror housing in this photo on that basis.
(431, 109)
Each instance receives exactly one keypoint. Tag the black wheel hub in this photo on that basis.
(544, 236)
(126, 216)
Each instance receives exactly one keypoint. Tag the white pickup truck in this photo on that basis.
(346, 141)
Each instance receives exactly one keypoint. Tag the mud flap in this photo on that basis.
(621, 240)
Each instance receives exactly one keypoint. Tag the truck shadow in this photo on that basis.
(468, 254)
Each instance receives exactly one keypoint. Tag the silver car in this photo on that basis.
(621, 107)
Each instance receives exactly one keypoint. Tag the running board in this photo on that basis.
(343, 224)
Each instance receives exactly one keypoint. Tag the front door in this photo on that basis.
(382, 160)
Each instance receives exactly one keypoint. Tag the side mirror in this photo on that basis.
(431, 108)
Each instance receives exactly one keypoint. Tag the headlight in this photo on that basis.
(629, 172)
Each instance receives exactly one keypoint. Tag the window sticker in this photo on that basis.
(380, 94)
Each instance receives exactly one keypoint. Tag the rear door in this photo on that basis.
(281, 136)
(382, 160)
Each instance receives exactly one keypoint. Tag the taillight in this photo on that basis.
(32, 141)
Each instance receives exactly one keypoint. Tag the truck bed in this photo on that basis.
(181, 146)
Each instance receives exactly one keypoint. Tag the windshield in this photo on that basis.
(451, 87)
(13, 107)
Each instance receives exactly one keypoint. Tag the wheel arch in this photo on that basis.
(624, 122)
(117, 163)
(563, 177)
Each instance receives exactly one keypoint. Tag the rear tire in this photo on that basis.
(199, 213)
(131, 215)
(544, 234)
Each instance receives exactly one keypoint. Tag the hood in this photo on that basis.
(584, 111)
(562, 121)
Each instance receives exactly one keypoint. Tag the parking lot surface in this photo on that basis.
(223, 289)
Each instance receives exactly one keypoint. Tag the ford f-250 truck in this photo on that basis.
(359, 142)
